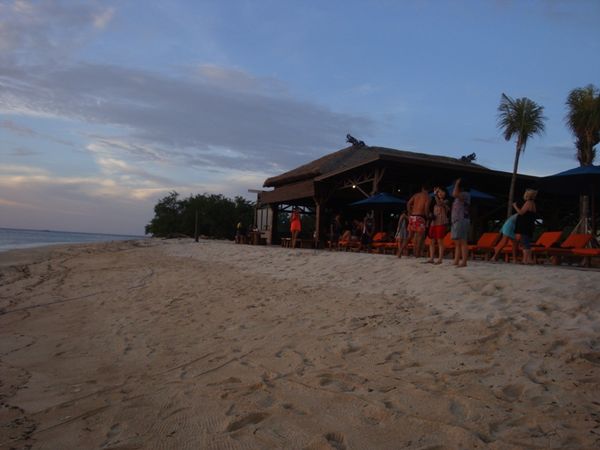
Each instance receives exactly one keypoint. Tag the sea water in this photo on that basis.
(11, 238)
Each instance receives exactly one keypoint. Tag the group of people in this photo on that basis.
(434, 216)
(430, 217)
(426, 216)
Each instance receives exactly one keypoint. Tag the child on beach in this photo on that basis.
(460, 223)
(439, 225)
(401, 231)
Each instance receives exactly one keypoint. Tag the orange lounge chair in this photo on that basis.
(485, 245)
(379, 241)
(573, 242)
(448, 243)
(587, 254)
(348, 244)
(546, 240)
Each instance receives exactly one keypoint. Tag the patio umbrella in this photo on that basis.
(380, 202)
(581, 180)
(382, 199)
(475, 194)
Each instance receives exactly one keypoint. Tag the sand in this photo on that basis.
(212, 345)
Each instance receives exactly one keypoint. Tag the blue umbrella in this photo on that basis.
(381, 199)
(577, 181)
(475, 194)
(580, 180)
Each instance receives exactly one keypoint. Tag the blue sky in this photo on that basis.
(107, 106)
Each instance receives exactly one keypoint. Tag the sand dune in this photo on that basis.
(176, 344)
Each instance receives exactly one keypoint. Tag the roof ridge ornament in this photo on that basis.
(469, 158)
(355, 142)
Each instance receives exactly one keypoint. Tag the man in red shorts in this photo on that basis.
(417, 207)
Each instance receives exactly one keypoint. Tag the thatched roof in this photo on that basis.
(354, 156)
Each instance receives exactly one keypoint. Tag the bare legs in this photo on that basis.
(403, 243)
(417, 240)
(502, 244)
(440, 244)
(461, 252)
(294, 236)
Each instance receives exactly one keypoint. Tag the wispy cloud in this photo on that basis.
(183, 118)
(45, 30)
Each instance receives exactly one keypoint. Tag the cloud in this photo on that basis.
(47, 30)
(562, 151)
(184, 118)
(25, 131)
(22, 151)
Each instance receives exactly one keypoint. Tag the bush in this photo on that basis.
(217, 215)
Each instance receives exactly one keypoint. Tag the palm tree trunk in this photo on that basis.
(513, 180)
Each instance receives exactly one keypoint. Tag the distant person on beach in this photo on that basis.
(508, 234)
(439, 225)
(401, 231)
(336, 229)
(240, 233)
(295, 225)
(418, 208)
(525, 225)
(366, 235)
(460, 222)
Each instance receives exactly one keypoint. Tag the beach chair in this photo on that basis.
(391, 247)
(587, 254)
(485, 245)
(547, 240)
(566, 249)
(448, 243)
(348, 244)
(379, 241)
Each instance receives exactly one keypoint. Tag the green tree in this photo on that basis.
(520, 118)
(583, 119)
(167, 216)
(217, 215)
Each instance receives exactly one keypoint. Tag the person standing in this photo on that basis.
(525, 225)
(508, 234)
(439, 225)
(295, 225)
(461, 223)
(401, 232)
(418, 207)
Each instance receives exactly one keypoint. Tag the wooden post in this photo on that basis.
(196, 227)
(317, 223)
(273, 224)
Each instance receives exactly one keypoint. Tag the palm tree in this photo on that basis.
(583, 118)
(521, 118)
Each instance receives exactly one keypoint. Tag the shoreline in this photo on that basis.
(154, 343)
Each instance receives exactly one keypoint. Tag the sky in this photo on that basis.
(107, 106)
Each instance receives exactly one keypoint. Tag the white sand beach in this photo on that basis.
(212, 345)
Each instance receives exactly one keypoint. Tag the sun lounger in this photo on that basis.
(556, 254)
(485, 245)
(349, 244)
(379, 241)
(546, 240)
(587, 254)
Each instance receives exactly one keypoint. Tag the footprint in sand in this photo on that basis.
(250, 419)
(336, 440)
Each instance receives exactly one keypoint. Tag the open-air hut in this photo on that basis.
(333, 181)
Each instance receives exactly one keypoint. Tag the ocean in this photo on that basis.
(11, 238)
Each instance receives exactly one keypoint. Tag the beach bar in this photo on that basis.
(331, 183)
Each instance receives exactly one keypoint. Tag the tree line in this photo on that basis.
(217, 216)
